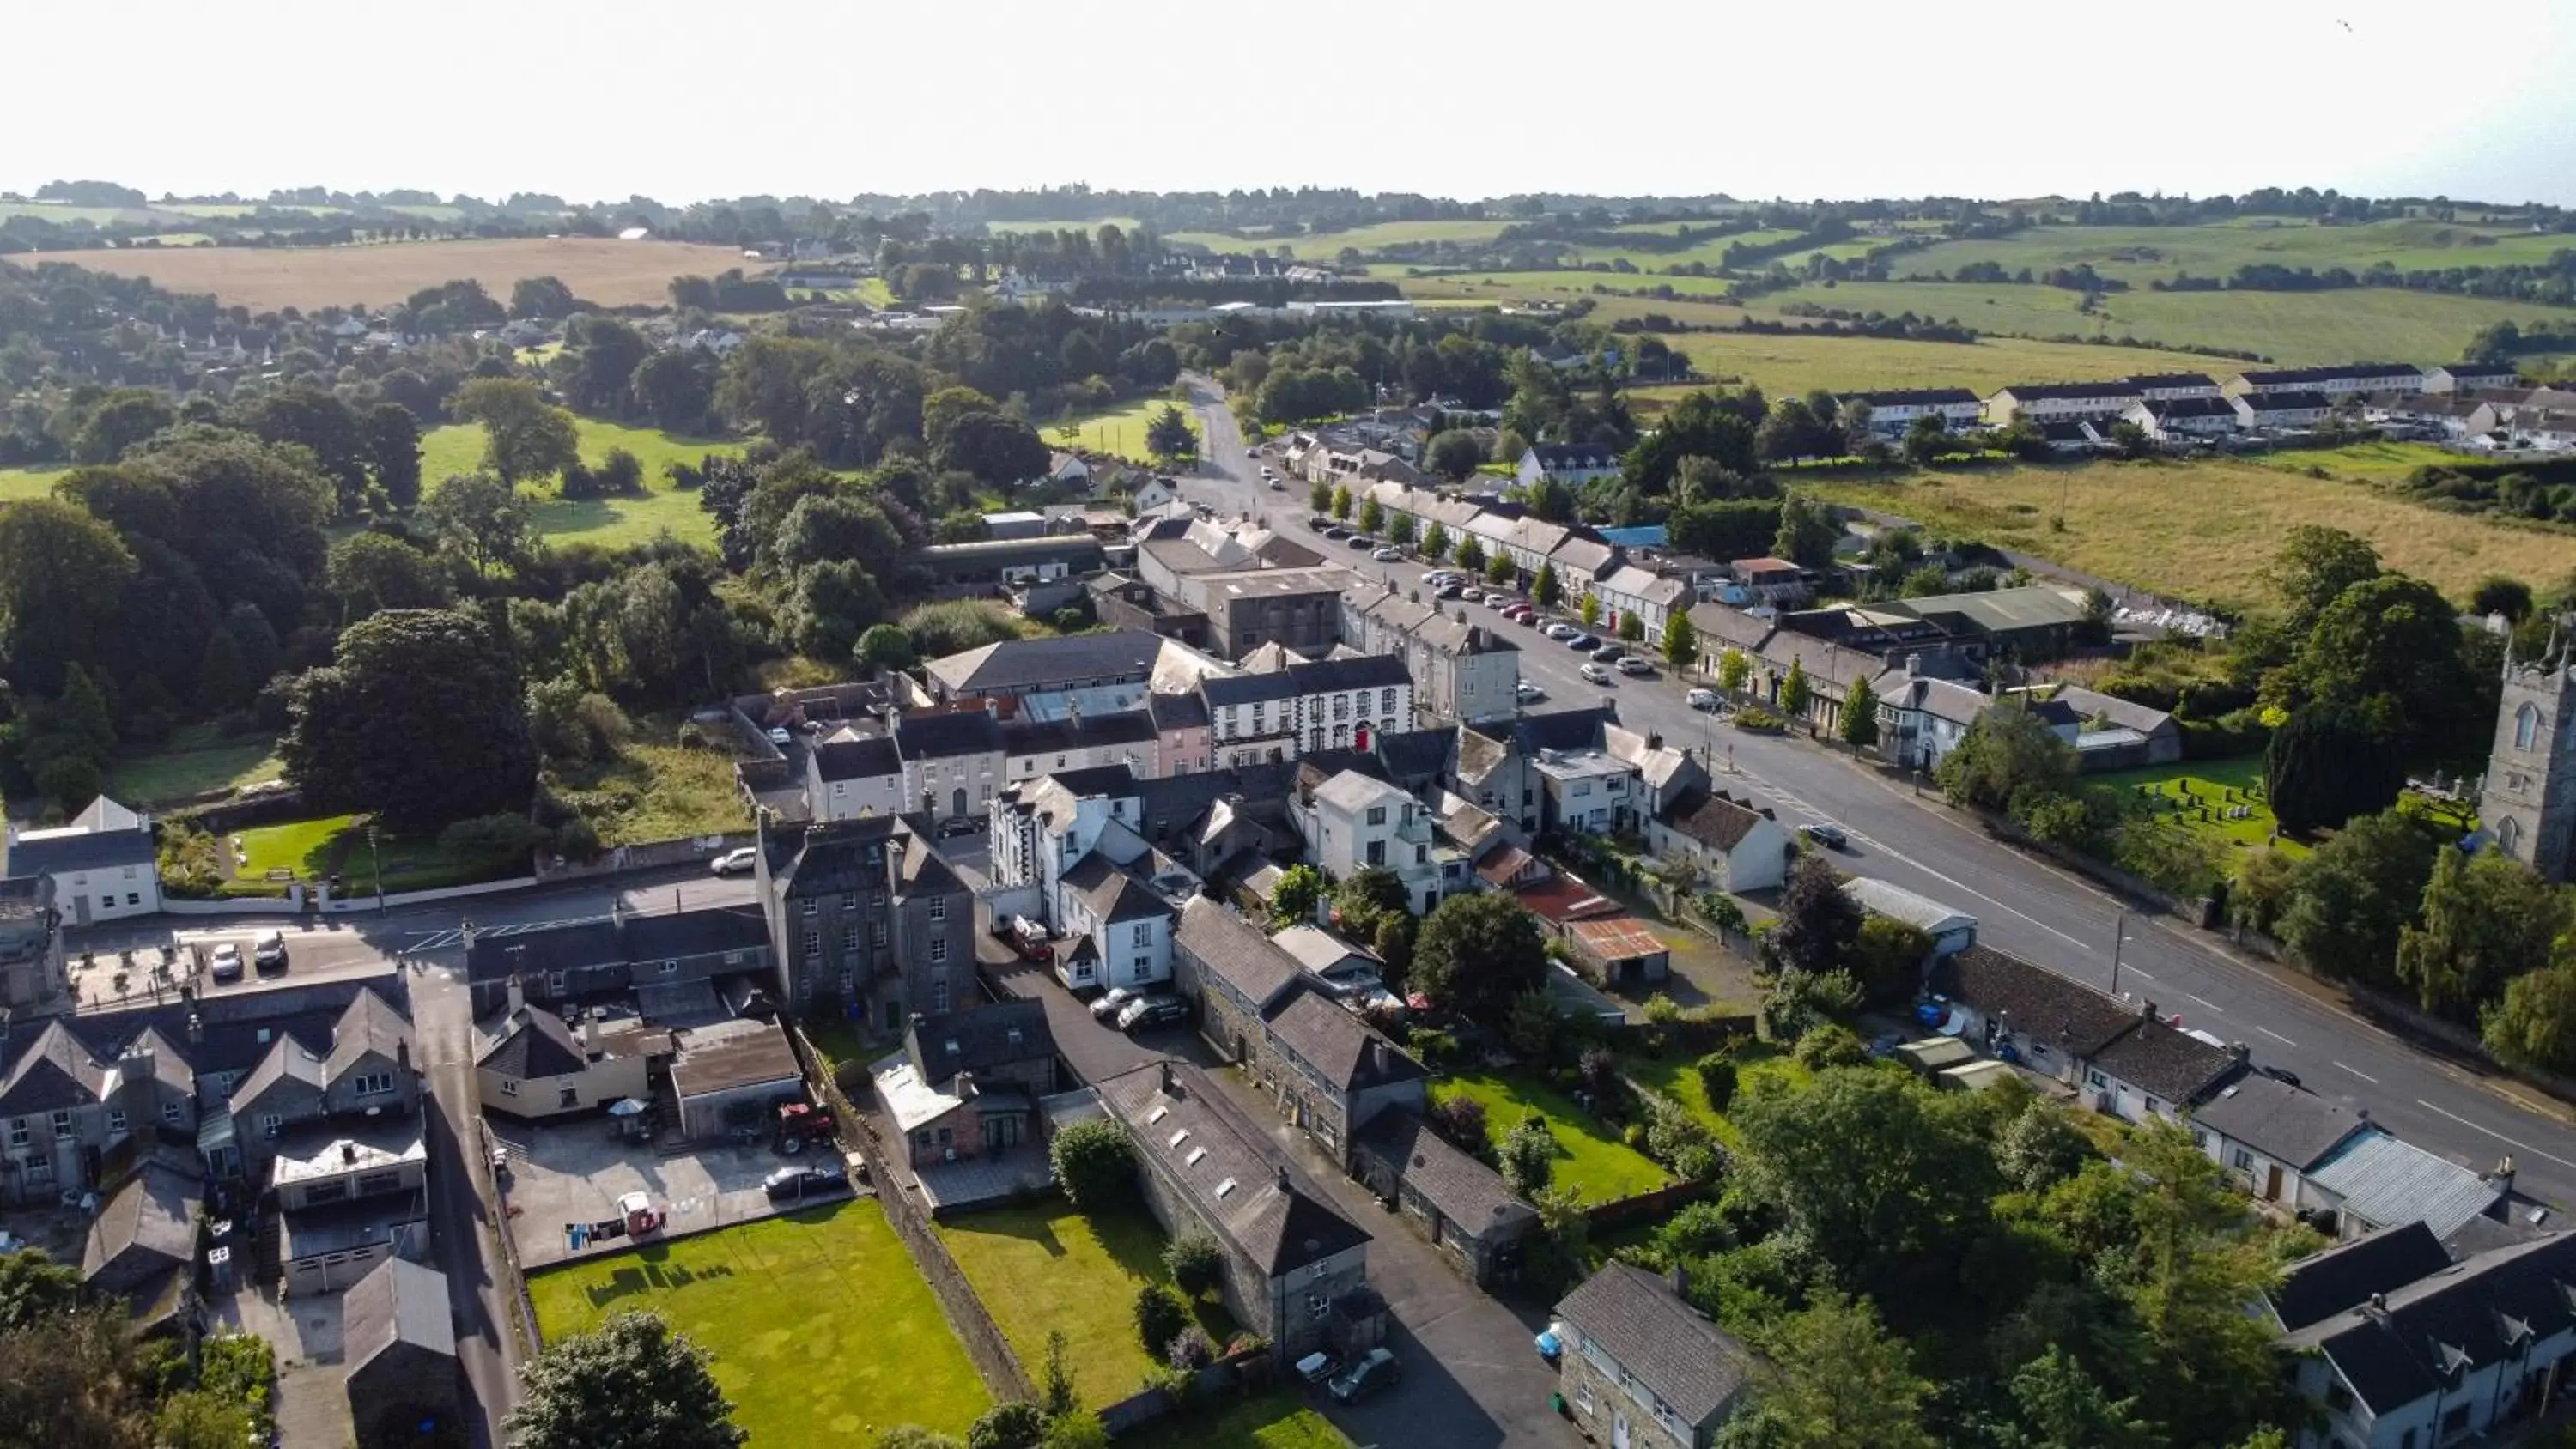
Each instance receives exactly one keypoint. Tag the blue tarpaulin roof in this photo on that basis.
(1644, 536)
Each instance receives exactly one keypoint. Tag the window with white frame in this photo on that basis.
(374, 1084)
(63, 1124)
(17, 1131)
(171, 1113)
(115, 1120)
(813, 943)
(1141, 934)
(938, 951)
(939, 908)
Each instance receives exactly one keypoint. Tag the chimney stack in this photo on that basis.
(2502, 1177)
(1171, 1080)
(518, 994)
(1283, 1177)
(1914, 666)
(590, 1032)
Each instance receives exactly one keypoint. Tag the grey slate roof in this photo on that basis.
(1229, 948)
(2317, 1288)
(90, 850)
(58, 1074)
(2280, 402)
(397, 1301)
(2044, 1005)
(1368, 671)
(369, 1025)
(2167, 1063)
(1061, 736)
(1346, 1051)
(1677, 1355)
(147, 1225)
(1465, 1191)
(1016, 664)
(667, 937)
(2456, 1320)
(1715, 823)
(2286, 1123)
(536, 1044)
(1113, 894)
(1270, 1213)
(1177, 711)
(947, 735)
(865, 758)
(945, 1043)
(1249, 689)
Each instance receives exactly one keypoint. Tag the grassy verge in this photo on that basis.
(195, 761)
(2202, 530)
(1046, 1267)
(822, 1330)
(1591, 1161)
(1273, 1421)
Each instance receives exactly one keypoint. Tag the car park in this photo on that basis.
(1370, 1372)
(734, 861)
(1701, 699)
(1826, 834)
(1595, 673)
(1147, 1011)
(1387, 555)
(269, 953)
(1636, 666)
(228, 962)
(1112, 1002)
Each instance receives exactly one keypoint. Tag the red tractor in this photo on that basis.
(802, 1124)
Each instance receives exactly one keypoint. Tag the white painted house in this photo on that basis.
(1353, 823)
(102, 864)
(1573, 464)
(1893, 412)
(1733, 846)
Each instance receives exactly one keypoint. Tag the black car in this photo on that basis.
(2283, 1075)
(1374, 1370)
(795, 1184)
(963, 825)
(1826, 834)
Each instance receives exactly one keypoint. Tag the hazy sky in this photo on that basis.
(605, 98)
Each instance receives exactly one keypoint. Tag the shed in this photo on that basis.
(732, 1066)
(1974, 1077)
(1627, 953)
(1952, 930)
(1936, 1054)
(400, 1346)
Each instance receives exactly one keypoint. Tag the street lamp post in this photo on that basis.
(2119, 935)
(376, 864)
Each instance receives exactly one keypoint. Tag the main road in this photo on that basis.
(2030, 908)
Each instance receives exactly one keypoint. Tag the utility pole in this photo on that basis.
(2119, 934)
(376, 863)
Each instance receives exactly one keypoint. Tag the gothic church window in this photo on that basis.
(2526, 726)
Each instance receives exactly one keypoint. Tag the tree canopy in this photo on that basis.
(631, 1383)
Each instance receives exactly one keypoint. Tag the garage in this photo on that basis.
(729, 1073)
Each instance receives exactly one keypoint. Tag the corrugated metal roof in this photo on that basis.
(2390, 1183)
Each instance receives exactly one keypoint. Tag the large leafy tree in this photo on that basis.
(1476, 952)
(2353, 895)
(2315, 566)
(2394, 639)
(2534, 1023)
(419, 717)
(1834, 1378)
(2328, 764)
(2006, 751)
(525, 438)
(393, 452)
(1170, 436)
(999, 451)
(1888, 1177)
(2485, 919)
(369, 572)
(481, 519)
(632, 1383)
(63, 574)
(317, 420)
(1819, 921)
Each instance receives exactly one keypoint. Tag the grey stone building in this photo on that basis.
(1642, 1368)
(865, 910)
(2528, 807)
(400, 1347)
(1330, 1072)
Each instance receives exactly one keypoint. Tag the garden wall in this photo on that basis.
(269, 807)
(368, 902)
(266, 906)
(646, 855)
(1646, 1207)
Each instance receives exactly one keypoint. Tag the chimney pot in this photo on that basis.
(1171, 1080)
(1283, 1177)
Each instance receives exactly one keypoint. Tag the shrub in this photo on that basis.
(1160, 1316)
(1096, 1168)
(1196, 1263)
(1600, 1069)
(1007, 1426)
(1461, 1120)
(1529, 1157)
(1716, 1079)
(1681, 1142)
(1435, 1047)
(1722, 911)
(503, 834)
(1662, 1010)
(577, 839)
(1830, 1045)
(1190, 1349)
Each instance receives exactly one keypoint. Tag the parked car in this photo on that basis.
(1337, 533)
(1147, 1011)
(269, 953)
(1702, 699)
(1595, 673)
(1387, 555)
(1361, 540)
(1437, 577)
(1278, 487)
(1636, 666)
(779, 736)
(1526, 692)
(1113, 1001)
(1582, 643)
(1319, 523)
(794, 1184)
(734, 861)
(1498, 601)
(1472, 595)
(1525, 616)
(1449, 591)
(228, 962)
(963, 825)
(1560, 630)
(1608, 654)
(1372, 1371)
(1826, 834)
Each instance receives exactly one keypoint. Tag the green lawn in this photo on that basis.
(1118, 432)
(610, 523)
(1048, 1267)
(1273, 1421)
(1590, 1158)
(2164, 788)
(1673, 1075)
(2293, 328)
(196, 761)
(17, 483)
(821, 1328)
(312, 849)
(2203, 530)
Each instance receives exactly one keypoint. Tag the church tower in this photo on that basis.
(2528, 807)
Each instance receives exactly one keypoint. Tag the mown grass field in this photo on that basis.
(2202, 530)
(821, 1329)
(1676, 1077)
(1046, 1267)
(1590, 1158)
(2219, 787)
(608, 522)
(17, 483)
(2293, 328)
(1795, 362)
(612, 273)
(314, 849)
(2138, 254)
(1118, 432)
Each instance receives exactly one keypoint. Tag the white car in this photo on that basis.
(1636, 665)
(228, 962)
(1560, 630)
(734, 862)
(1701, 699)
(1437, 577)
(1595, 673)
(1387, 555)
(1526, 691)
